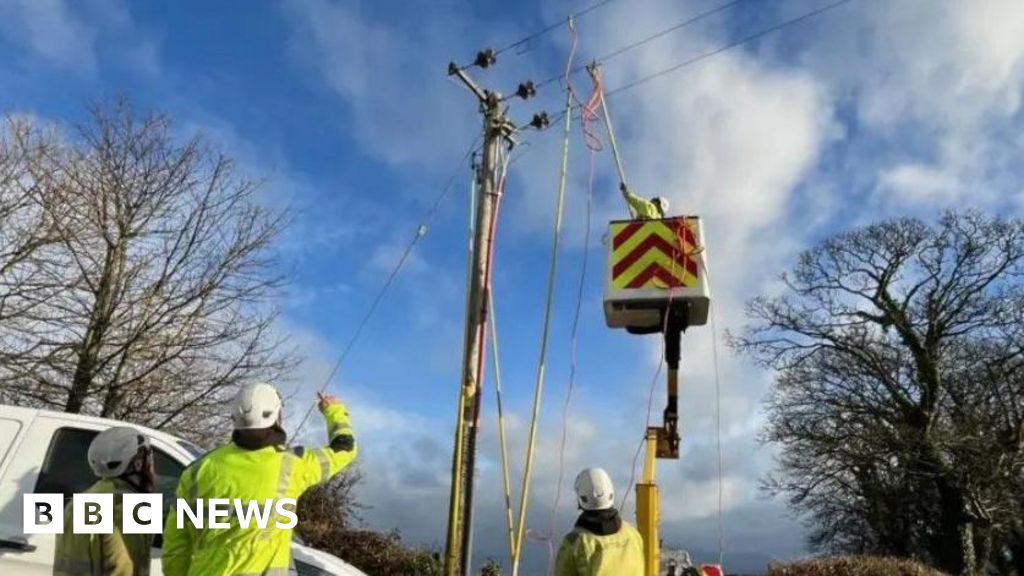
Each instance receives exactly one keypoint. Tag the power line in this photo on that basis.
(634, 45)
(421, 231)
(526, 40)
(729, 46)
(701, 57)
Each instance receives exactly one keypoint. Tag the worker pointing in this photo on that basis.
(123, 459)
(602, 543)
(255, 466)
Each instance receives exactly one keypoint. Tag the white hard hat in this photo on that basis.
(256, 406)
(662, 202)
(594, 489)
(113, 449)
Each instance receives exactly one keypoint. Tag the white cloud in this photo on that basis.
(391, 79)
(939, 82)
(80, 36)
(920, 183)
(50, 30)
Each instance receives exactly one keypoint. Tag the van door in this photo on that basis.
(12, 541)
(9, 429)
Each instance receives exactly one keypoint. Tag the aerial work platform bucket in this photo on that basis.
(654, 267)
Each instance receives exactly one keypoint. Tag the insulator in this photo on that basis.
(526, 90)
(486, 58)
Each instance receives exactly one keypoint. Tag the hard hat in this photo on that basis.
(113, 449)
(594, 489)
(256, 406)
(662, 203)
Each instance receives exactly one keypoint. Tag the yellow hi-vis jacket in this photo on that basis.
(584, 553)
(114, 554)
(642, 208)
(268, 473)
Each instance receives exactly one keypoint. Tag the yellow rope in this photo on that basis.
(539, 385)
(501, 430)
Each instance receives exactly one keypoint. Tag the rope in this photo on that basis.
(552, 272)
(661, 364)
(718, 422)
(593, 145)
(650, 404)
(421, 231)
(497, 365)
(498, 192)
(502, 441)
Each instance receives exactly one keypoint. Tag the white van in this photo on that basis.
(44, 452)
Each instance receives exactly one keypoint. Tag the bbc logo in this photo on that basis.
(93, 513)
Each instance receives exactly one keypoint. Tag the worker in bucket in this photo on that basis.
(602, 543)
(255, 466)
(123, 460)
(642, 208)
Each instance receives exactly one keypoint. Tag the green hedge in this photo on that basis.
(853, 566)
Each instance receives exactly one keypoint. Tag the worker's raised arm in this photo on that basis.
(316, 465)
(634, 202)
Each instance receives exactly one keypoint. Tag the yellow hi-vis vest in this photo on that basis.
(642, 208)
(114, 554)
(584, 553)
(268, 473)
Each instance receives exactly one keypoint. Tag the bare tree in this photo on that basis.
(899, 354)
(24, 226)
(164, 284)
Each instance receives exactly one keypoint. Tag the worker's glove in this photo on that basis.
(323, 401)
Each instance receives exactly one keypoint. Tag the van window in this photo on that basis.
(168, 470)
(8, 432)
(66, 468)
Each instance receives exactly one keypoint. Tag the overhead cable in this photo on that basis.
(729, 46)
(574, 15)
(421, 231)
(634, 45)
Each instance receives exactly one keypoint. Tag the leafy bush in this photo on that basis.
(326, 517)
(853, 566)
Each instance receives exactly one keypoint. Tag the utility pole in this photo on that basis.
(497, 130)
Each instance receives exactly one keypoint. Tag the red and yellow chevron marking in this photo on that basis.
(653, 254)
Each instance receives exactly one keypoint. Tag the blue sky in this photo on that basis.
(872, 110)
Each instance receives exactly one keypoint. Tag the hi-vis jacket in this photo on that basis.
(268, 473)
(114, 554)
(642, 208)
(584, 553)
